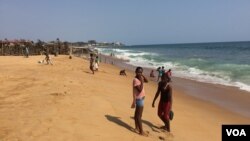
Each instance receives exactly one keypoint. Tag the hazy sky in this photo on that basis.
(128, 21)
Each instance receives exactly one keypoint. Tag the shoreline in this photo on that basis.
(228, 97)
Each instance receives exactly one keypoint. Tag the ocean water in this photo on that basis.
(226, 63)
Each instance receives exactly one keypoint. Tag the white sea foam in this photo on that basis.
(193, 73)
(242, 86)
(137, 58)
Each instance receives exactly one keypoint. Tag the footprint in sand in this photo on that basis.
(57, 94)
(168, 136)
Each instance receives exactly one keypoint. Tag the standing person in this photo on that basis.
(47, 59)
(162, 69)
(96, 63)
(159, 73)
(26, 51)
(138, 99)
(166, 100)
(169, 73)
(91, 63)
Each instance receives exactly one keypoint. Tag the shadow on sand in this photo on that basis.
(88, 72)
(118, 121)
(149, 124)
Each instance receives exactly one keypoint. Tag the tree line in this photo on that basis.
(17, 47)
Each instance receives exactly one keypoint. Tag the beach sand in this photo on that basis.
(66, 102)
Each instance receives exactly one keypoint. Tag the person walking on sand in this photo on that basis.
(138, 99)
(92, 63)
(48, 59)
(96, 63)
(166, 100)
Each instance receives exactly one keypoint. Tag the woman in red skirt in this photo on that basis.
(165, 103)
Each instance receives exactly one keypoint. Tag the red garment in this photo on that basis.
(164, 109)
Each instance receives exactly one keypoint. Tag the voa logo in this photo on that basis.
(236, 132)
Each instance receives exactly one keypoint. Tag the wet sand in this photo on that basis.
(65, 101)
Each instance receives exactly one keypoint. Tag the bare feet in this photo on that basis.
(144, 133)
(165, 128)
(136, 130)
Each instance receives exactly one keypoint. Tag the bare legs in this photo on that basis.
(138, 122)
(165, 121)
(163, 113)
(92, 69)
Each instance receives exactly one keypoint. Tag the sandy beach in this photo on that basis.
(65, 102)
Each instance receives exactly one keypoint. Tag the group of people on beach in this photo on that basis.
(165, 104)
(161, 71)
(164, 90)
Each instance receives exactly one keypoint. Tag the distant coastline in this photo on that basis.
(190, 43)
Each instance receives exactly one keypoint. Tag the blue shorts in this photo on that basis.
(140, 102)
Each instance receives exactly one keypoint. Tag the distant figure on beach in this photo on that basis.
(159, 73)
(123, 72)
(166, 100)
(162, 69)
(96, 63)
(26, 52)
(169, 73)
(48, 59)
(91, 63)
(152, 73)
(138, 99)
(112, 54)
